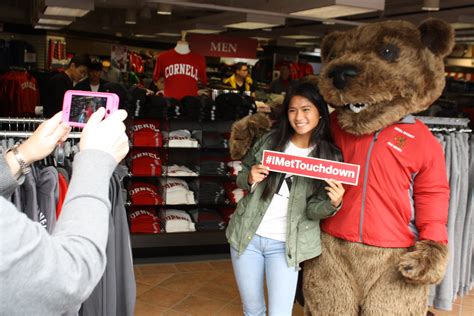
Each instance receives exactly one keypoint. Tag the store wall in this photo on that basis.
(38, 42)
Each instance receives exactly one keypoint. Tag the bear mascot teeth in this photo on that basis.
(388, 242)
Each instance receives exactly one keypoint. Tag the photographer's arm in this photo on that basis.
(65, 266)
(39, 145)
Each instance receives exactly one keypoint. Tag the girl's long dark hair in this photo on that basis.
(320, 138)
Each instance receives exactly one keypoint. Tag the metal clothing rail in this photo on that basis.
(449, 121)
(21, 120)
(20, 134)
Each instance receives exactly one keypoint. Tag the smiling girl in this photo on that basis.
(276, 226)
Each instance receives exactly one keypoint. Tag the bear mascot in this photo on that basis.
(388, 242)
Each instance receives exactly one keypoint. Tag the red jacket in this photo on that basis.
(403, 192)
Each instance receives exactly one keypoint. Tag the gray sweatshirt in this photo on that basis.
(52, 274)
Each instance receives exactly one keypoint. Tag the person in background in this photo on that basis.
(276, 226)
(284, 82)
(63, 81)
(93, 82)
(52, 274)
(241, 79)
(110, 72)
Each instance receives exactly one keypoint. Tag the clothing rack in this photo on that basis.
(26, 120)
(451, 121)
(20, 134)
(21, 120)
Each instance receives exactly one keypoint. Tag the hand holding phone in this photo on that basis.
(78, 106)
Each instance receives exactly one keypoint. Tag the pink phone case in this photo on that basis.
(84, 105)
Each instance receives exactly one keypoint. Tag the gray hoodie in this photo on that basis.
(52, 274)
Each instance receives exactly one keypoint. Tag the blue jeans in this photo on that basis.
(264, 255)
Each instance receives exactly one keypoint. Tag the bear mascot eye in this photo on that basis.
(390, 52)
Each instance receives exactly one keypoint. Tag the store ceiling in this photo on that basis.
(109, 17)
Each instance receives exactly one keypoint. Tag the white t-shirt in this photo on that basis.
(94, 88)
(274, 221)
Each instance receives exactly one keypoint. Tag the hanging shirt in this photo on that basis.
(181, 73)
(273, 224)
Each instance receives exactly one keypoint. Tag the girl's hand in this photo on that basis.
(335, 191)
(257, 174)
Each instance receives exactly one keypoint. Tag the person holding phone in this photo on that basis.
(276, 226)
(62, 81)
(52, 274)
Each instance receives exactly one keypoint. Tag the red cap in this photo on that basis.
(147, 134)
(146, 163)
(145, 220)
(142, 193)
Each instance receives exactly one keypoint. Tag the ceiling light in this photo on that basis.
(305, 44)
(250, 21)
(163, 9)
(46, 27)
(258, 38)
(203, 31)
(54, 19)
(461, 25)
(54, 22)
(168, 34)
(205, 28)
(145, 35)
(430, 5)
(68, 8)
(337, 8)
(131, 16)
(302, 37)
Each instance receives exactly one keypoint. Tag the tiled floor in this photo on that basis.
(208, 288)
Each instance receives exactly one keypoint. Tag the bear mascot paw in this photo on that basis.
(425, 264)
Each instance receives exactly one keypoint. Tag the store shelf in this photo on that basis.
(198, 238)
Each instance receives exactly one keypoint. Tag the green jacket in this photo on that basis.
(306, 206)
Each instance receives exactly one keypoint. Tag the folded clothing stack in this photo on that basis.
(232, 106)
(234, 167)
(214, 140)
(212, 168)
(207, 219)
(143, 193)
(226, 213)
(145, 163)
(144, 221)
(177, 221)
(211, 192)
(157, 107)
(176, 191)
(234, 193)
(180, 138)
(146, 134)
(179, 171)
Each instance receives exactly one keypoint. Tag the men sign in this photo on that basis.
(311, 167)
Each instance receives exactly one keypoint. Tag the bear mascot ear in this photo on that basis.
(245, 132)
(328, 43)
(437, 36)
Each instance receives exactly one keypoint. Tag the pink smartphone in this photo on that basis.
(78, 106)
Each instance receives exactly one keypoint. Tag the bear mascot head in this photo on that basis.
(379, 73)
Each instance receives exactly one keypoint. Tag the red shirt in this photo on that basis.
(181, 73)
(403, 191)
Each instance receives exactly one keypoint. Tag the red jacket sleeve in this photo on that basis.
(431, 194)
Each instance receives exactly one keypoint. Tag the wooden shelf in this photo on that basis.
(198, 238)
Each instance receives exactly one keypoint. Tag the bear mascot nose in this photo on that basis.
(340, 74)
